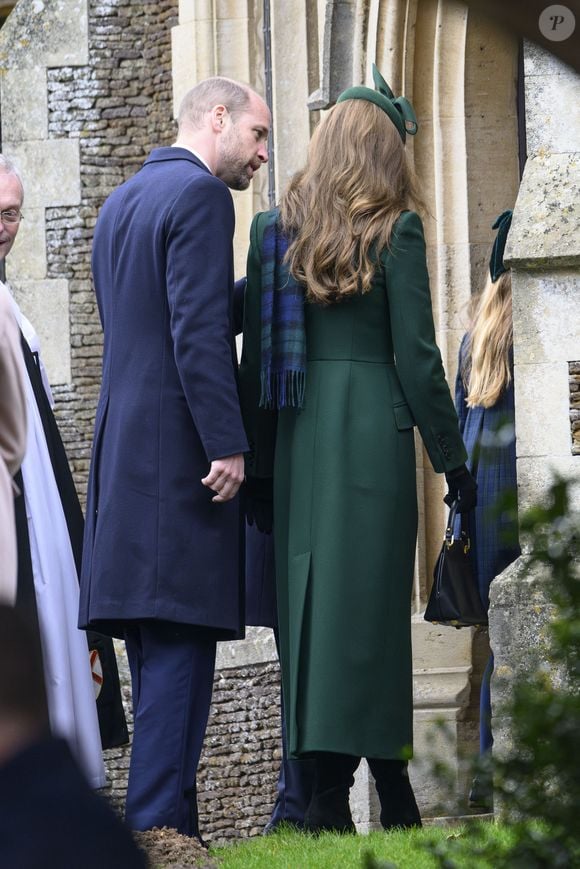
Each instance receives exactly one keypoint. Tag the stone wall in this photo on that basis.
(543, 250)
(574, 371)
(241, 756)
(118, 110)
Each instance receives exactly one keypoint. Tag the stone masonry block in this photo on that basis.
(553, 125)
(542, 429)
(450, 648)
(233, 48)
(187, 10)
(489, 143)
(491, 73)
(31, 123)
(538, 61)
(450, 269)
(534, 477)
(545, 230)
(46, 304)
(257, 647)
(437, 739)
(519, 617)
(364, 800)
(56, 34)
(51, 170)
(545, 316)
(231, 9)
(193, 57)
(27, 259)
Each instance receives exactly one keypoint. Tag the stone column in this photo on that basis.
(544, 253)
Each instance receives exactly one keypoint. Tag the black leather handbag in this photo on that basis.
(454, 598)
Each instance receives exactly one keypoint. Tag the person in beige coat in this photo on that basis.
(47, 570)
(12, 440)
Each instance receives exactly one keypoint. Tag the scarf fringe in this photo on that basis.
(283, 338)
(282, 389)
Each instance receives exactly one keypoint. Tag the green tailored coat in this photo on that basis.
(345, 506)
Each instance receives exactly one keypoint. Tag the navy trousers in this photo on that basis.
(294, 790)
(485, 734)
(172, 668)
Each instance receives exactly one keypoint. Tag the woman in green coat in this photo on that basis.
(339, 364)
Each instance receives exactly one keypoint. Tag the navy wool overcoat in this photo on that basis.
(155, 545)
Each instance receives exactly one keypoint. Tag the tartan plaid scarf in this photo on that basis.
(283, 340)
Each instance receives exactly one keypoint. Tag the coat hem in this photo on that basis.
(116, 627)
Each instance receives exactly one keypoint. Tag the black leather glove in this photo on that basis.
(462, 488)
(259, 503)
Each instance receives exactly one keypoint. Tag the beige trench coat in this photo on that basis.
(12, 440)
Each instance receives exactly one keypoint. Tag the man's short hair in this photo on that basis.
(8, 167)
(211, 92)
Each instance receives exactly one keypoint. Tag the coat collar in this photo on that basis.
(164, 155)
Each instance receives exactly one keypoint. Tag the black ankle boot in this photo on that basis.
(398, 804)
(329, 808)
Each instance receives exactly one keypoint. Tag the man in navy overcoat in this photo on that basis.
(161, 561)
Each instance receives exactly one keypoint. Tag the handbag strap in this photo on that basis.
(464, 525)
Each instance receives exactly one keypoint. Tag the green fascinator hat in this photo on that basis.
(502, 224)
(399, 110)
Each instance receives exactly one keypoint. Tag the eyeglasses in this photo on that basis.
(11, 215)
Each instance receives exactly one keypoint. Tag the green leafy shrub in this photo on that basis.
(537, 783)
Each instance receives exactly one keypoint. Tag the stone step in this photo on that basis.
(457, 820)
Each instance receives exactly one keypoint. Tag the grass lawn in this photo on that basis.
(401, 849)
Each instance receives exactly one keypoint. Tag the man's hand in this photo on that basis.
(225, 477)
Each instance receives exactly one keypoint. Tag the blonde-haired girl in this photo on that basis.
(484, 400)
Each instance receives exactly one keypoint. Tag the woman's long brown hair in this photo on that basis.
(340, 209)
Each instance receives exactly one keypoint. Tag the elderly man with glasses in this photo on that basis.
(12, 408)
(10, 204)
